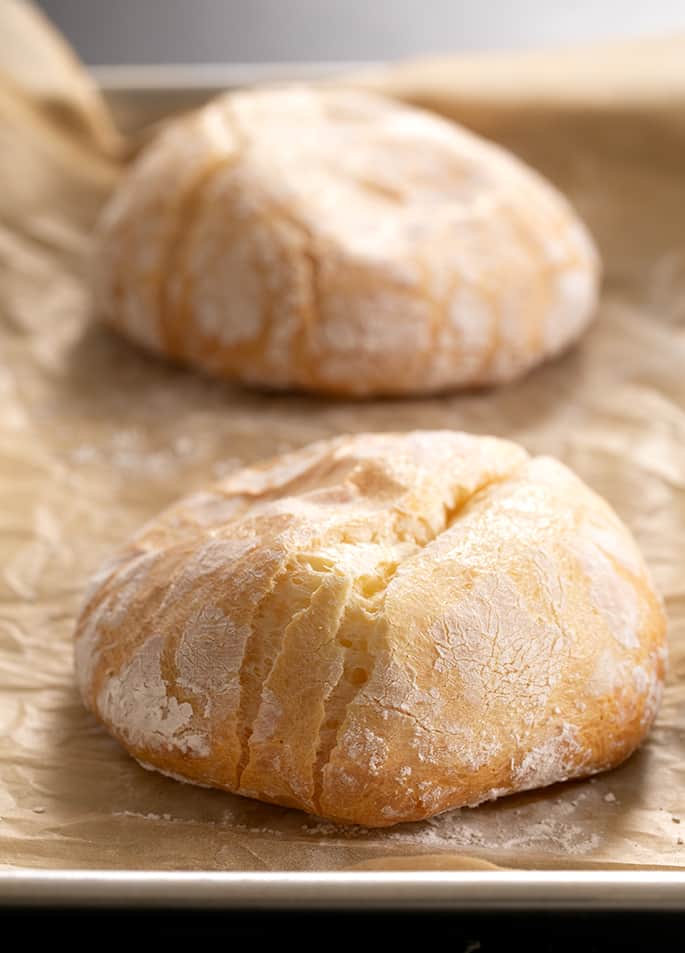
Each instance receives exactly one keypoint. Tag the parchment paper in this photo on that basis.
(95, 438)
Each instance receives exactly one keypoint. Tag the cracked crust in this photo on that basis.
(335, 241)
(377, 628)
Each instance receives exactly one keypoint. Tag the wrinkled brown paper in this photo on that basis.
(95, 438)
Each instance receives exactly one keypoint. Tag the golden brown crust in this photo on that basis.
(336, 241)
(378, 628)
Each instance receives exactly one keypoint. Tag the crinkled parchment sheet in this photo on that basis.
(95, 438)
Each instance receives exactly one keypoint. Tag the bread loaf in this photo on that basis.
(339, 242)
(378, 628)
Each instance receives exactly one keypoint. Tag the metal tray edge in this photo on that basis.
(187, 77)
(453, 890)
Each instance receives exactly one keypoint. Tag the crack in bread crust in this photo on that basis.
(358, 659)
(343, 696)
(261, 650)
(174, 308)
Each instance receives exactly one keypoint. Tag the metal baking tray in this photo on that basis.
(137, 97)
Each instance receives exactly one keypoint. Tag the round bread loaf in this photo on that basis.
(378, 628)
(339, 242)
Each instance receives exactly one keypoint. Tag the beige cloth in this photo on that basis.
(95, 438)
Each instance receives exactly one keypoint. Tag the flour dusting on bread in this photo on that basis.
(335, 241)
(379, 628)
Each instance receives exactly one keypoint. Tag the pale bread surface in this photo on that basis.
(339, 242)
(378, 628)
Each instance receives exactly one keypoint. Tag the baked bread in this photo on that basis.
(339, 242)
(378, 628)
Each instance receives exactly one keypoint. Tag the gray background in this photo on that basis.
(224, 31)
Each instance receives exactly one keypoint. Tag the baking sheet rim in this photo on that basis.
(448, 890)
(215, 77)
